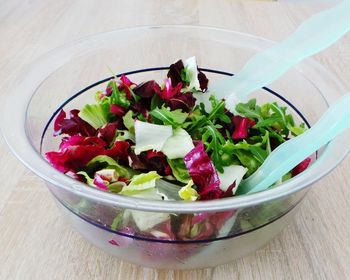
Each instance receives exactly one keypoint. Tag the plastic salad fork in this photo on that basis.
(312, 36)
(286, 156)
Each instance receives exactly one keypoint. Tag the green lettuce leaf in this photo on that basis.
(178, 145)
(188, 193)
(107, 161)
(88, 179)
(129, 122)
(190, 65)
(150, 136)
(174, 118)
(140, 183)
(95, 114)
(179, 170)
(231, 174)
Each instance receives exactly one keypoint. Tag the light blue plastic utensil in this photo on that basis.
(286, 156)
(313, 35)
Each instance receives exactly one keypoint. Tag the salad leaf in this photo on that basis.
(268, 122)
(74, 156)
(301, 166)
(110, 163)
(186, 76)
(169, 91)
(182, 100)
(156, 161)
(125, 85)
(203, 173)
(117, 110)
(242, 125)
(247, 160)
(147, 89)
(178, 145)
(148, 220)
(123, 135)
(203, 81)
(192, 73)
(174, 118)
(175, 73)
(129, 122)
(150, 136)
(117, 221)
(249, 109)
(108, 132)
(201, 117)
(169, 190)
(179, 170)
(213, 141)
(73, 125)
(94, 114)
(120, 150)
(117, 97)
(248, 155)
(77, 140)
(141, 182)
(188, 193)
(297, 130)
(100, 183)
(232, 174)
(108, 174)
(259, 154)
(116, 187)
(88, 179)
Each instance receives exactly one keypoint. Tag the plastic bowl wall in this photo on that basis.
(178, 235)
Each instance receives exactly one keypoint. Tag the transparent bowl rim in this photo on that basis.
(15, 134)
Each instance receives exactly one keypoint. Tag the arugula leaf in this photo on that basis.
(218, 109)
(280, 113)
(297, 130)
(259, 154)
(277, 136)
(225, 118)
(250, 156)
(174, 118)
(249, 109)
(247, 160)
(156, 102)
(266, 122)
(202, 118)
(186, 75)
(118, 97)
(213, 141)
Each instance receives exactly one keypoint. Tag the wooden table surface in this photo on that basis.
(35, 242)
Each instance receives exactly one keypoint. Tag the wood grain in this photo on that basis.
(35, 242)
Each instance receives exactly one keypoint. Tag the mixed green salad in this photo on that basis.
(157, 141)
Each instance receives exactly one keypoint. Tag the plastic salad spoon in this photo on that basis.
(312, 36)
(286, 156)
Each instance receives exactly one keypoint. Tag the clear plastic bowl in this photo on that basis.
(208, 232)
